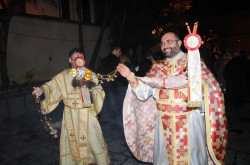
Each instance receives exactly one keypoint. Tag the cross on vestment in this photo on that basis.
(169, 108)
(167, 123)
(180, 123)
(181, 151)
(75, 103)
(83, 137)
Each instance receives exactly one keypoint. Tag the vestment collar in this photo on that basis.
(174, 59)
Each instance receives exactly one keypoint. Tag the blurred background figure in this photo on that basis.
(247, 75)
(208, 57)
(125, 59)
(150, 58)
(220, 64)
(109, 64)
(235, 76)
(131, 51)
(114, 90)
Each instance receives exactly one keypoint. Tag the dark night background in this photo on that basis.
(223, 25)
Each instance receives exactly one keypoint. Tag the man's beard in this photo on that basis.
(172, 53)
(81, 83)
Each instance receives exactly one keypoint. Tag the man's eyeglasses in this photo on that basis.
(169, 42)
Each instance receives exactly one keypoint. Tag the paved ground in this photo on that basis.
(23, 140)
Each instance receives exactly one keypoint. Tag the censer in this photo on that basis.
(86, 75)
(46, 120)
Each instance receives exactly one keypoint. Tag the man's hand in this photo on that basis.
(37, 92)
(124, 70)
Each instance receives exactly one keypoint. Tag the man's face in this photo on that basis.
(71, 60)
(170, 45)
(131, 52)
(118, 52)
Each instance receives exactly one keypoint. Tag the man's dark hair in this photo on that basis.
(176, 35)
(75, 50)
(115, 47)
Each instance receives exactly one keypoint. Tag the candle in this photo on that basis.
(189, 31)
(195, 27)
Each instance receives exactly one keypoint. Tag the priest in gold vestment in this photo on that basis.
(81, 140)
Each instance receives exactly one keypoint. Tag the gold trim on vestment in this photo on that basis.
(83, 129)
(65, 85)
(47, 92)
(171, 96)
(79, 105)
(172, 103)
(97, 101)
(71, 134)
(54, 102)
(134, 83)
(57, 83)
(194, 104)
(79, 148)
(94, 109)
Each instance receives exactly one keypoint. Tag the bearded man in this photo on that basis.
(161, 125)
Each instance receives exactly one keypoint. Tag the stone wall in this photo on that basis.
(41, 46)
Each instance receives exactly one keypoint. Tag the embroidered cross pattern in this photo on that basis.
(180, 123)
(83, 137)
(165, 107)
(71, 134)
(169, 108)
(167, 123)
(75, 103)
(181, 151)
(163, 95)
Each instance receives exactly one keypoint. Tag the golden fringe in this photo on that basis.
(194, 104)
(82, 160)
